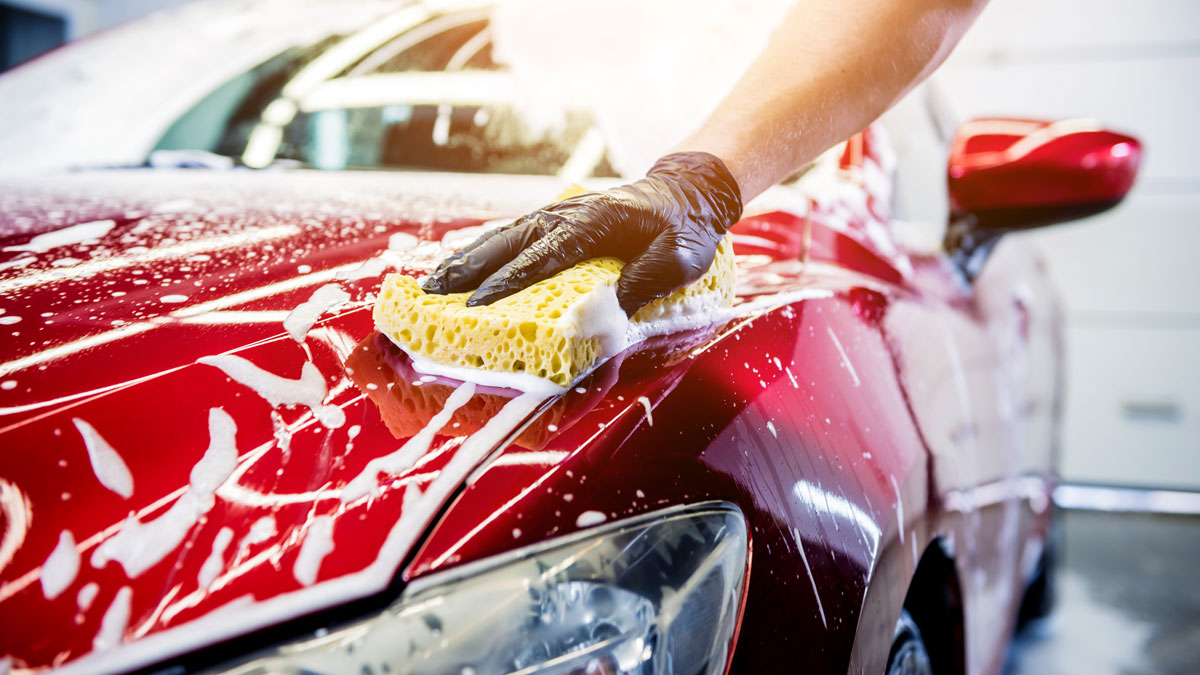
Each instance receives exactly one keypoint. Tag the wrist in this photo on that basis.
(707, 176)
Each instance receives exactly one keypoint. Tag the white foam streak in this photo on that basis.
(86, 596)
(215, 561)
(138, 546)
(110, 469)
(260, 531)
(60, 569)
(370, 268)
(302, 318)
(175, 252)
(589, 518)
(244, 615)
(524, 382)
(309, 390)
(402, 241)
(646, 404)
(219, 461)
(83, 233)
(114, 623)
(366, 482)
(318, 543)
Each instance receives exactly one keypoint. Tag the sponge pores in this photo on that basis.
(542, 330)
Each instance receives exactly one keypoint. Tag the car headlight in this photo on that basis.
(655, 594)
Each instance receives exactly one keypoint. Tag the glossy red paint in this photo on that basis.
(850, 408)
(1022, 164)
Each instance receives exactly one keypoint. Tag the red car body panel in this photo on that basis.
(861, 406)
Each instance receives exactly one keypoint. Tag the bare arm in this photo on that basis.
(827, 72)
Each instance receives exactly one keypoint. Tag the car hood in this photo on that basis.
(202, 434)
(144, 484)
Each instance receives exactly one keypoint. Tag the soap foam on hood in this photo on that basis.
(114, 623)
(302, 318)
(318, 542)
(367, 481)
(308, 391)
(83, 233)
(216, 559)
(245, 614)
(59, 570)
(110, 469)
(139, 546)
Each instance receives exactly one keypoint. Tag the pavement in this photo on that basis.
(1128, 600)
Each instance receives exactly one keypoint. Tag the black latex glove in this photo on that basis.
(665, 226)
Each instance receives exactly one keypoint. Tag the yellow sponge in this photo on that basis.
(557, 329)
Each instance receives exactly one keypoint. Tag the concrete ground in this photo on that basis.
(1128, 600)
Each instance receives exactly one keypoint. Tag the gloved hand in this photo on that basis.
(665, 226)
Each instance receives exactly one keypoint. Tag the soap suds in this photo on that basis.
(86, 596)
(139, 546)
(402, 241)
(173, 298)
(60, 569)
(372, 267)
(589, 518)
(262, 530)
(110, 469)
(599, 316)
(114, 623)
(367, 481)
(19, 262)
(646, 404)
(215, 561)
(318, 542)
(308, 391)
(83, 233)
(302, 318)
(524, 382)
(243, 615)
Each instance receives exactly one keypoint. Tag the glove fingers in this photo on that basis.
(464, 270)
(559, 249)
(670, 262)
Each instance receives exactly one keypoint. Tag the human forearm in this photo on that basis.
(829, 70)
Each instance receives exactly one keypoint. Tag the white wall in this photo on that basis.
(1130, 278)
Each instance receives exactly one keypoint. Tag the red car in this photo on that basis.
(212, 462)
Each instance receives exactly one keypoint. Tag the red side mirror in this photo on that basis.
(1015, 174)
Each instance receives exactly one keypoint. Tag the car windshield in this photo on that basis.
(424, 95)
